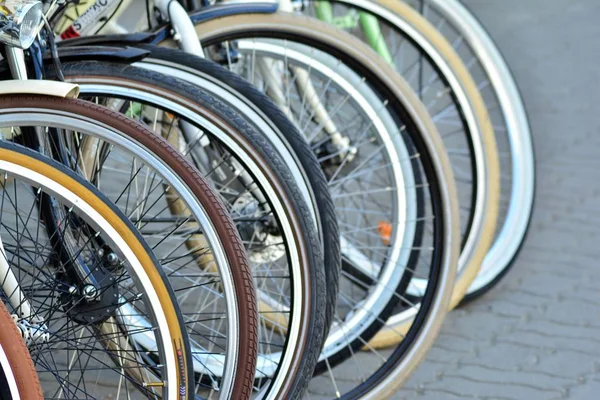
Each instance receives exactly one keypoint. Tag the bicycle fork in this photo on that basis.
(10, 284)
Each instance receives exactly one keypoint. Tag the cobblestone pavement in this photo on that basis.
(537, 335)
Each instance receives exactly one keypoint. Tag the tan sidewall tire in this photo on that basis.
(445, 49)
(311, 28)
(389, 335)
(121, 228)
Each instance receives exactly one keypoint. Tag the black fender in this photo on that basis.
(128, 38)
(122, 54)
(115, 53)
(226, 9)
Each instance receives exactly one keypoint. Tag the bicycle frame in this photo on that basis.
(182, 27)
(369, 24)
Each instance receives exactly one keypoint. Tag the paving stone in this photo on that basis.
(537, 335)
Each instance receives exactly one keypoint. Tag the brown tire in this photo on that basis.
(230, 241)
(22, 371)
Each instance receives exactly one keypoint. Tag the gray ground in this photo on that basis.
(537, 335)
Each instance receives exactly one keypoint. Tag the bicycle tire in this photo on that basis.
(263, 107)
(21, 161)
(420, 31)
(350, 333)
(230, 241)
(18, 376)
(513, 232)
(178, 93)
(482, 238)
(306, 30)
(488, 67)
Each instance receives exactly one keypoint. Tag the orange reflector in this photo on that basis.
(385, 231)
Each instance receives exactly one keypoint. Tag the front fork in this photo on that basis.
(10, 284)
(31, 327)
(18, 67)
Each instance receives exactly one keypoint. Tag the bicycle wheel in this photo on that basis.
(69, 320)
(437, 74)
(275, 224)
(507, 112)
(151, 183)
(292, 49)
(443, 83)
(260, 112)
(18, 377)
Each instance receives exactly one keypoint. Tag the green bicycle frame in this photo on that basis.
(369, 25)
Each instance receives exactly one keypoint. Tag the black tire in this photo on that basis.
(290, 28)
(399, 291)
(469, 297)
(307, 350)
(298, 146)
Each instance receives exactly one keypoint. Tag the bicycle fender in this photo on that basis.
(44, 87)
(116, 52)
(124, 39)
(76, 50)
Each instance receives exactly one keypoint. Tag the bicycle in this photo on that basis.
(79, 111)
(377, 321)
